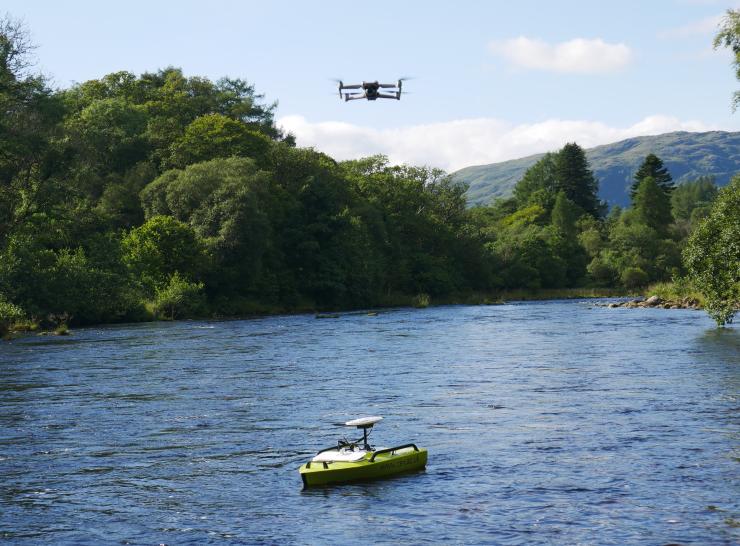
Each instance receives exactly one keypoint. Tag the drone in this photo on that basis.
(371, 90)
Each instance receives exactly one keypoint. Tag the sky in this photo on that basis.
(489, 80)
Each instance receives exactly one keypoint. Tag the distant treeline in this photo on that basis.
(130, 197)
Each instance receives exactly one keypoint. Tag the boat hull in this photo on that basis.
(383, 466)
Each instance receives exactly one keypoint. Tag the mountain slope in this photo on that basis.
(687, 156)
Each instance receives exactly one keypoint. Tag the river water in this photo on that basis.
(546, 423)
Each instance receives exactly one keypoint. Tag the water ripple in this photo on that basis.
(547, 423)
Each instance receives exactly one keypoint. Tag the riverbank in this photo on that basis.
(656, 302)
(45, 327)
(666, 295)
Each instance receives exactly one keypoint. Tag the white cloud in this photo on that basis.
(462, 143)
(708, 25)
(579, 56)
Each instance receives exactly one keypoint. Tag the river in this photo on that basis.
(554, 422)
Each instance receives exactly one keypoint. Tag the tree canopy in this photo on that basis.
(133, 196)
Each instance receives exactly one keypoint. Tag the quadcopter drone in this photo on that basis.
(371, 90)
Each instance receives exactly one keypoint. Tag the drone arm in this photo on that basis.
(387, 96)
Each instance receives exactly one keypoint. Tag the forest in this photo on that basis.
(162, 195)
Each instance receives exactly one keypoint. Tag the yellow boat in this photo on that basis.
(352, 461)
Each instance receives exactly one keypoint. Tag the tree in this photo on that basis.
(159, 248)
(538, 185)
(712, 255)
(565, 214)
(729, 36)
(29, 111)
(215, 135)
(229, 204)
(652, 206)
(653, 167)
(575, 179)
(634, 277)
(46, 280)
(105, 137)
(634, 243)
(179, 298)
(172, 102)
(692, 195)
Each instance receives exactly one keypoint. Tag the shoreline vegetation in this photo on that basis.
(663, 295)
(164, 196)
(667, 295)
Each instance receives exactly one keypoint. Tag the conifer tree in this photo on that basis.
(652, 205)
(653, 166)
(575, 179)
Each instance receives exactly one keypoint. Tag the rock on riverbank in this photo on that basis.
(657, 303)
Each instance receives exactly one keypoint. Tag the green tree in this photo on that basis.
(29, 113)
(216, 135)
(712, 255)
(634, 277)
(230, 204)
(108, 135)
(652, 206)
(575, 179)
(653, 167)
(695, 194)
(565, 214)
(729, 36)
(159, 248)
(57, 281)
(538, 185)
(633, 243)
(179, 298)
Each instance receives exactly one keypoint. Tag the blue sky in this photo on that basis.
(492, 80)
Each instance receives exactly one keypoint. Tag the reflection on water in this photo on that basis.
(546, 423)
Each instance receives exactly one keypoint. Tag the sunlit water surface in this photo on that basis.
(546, 423)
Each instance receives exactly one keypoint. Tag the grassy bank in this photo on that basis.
(680, 291)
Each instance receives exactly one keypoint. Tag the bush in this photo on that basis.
(601, 271)
(9, 314)
(179, 299)
(634, 277)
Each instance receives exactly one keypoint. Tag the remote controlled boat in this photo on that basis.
(357, 460)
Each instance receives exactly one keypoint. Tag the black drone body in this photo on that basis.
(371, 90)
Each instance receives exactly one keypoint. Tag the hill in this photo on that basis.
(687, 156)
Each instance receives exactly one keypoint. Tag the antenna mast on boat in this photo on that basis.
(365, 423)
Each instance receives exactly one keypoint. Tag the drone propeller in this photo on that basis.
(350, 86)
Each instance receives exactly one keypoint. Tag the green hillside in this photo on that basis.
(687, 156)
